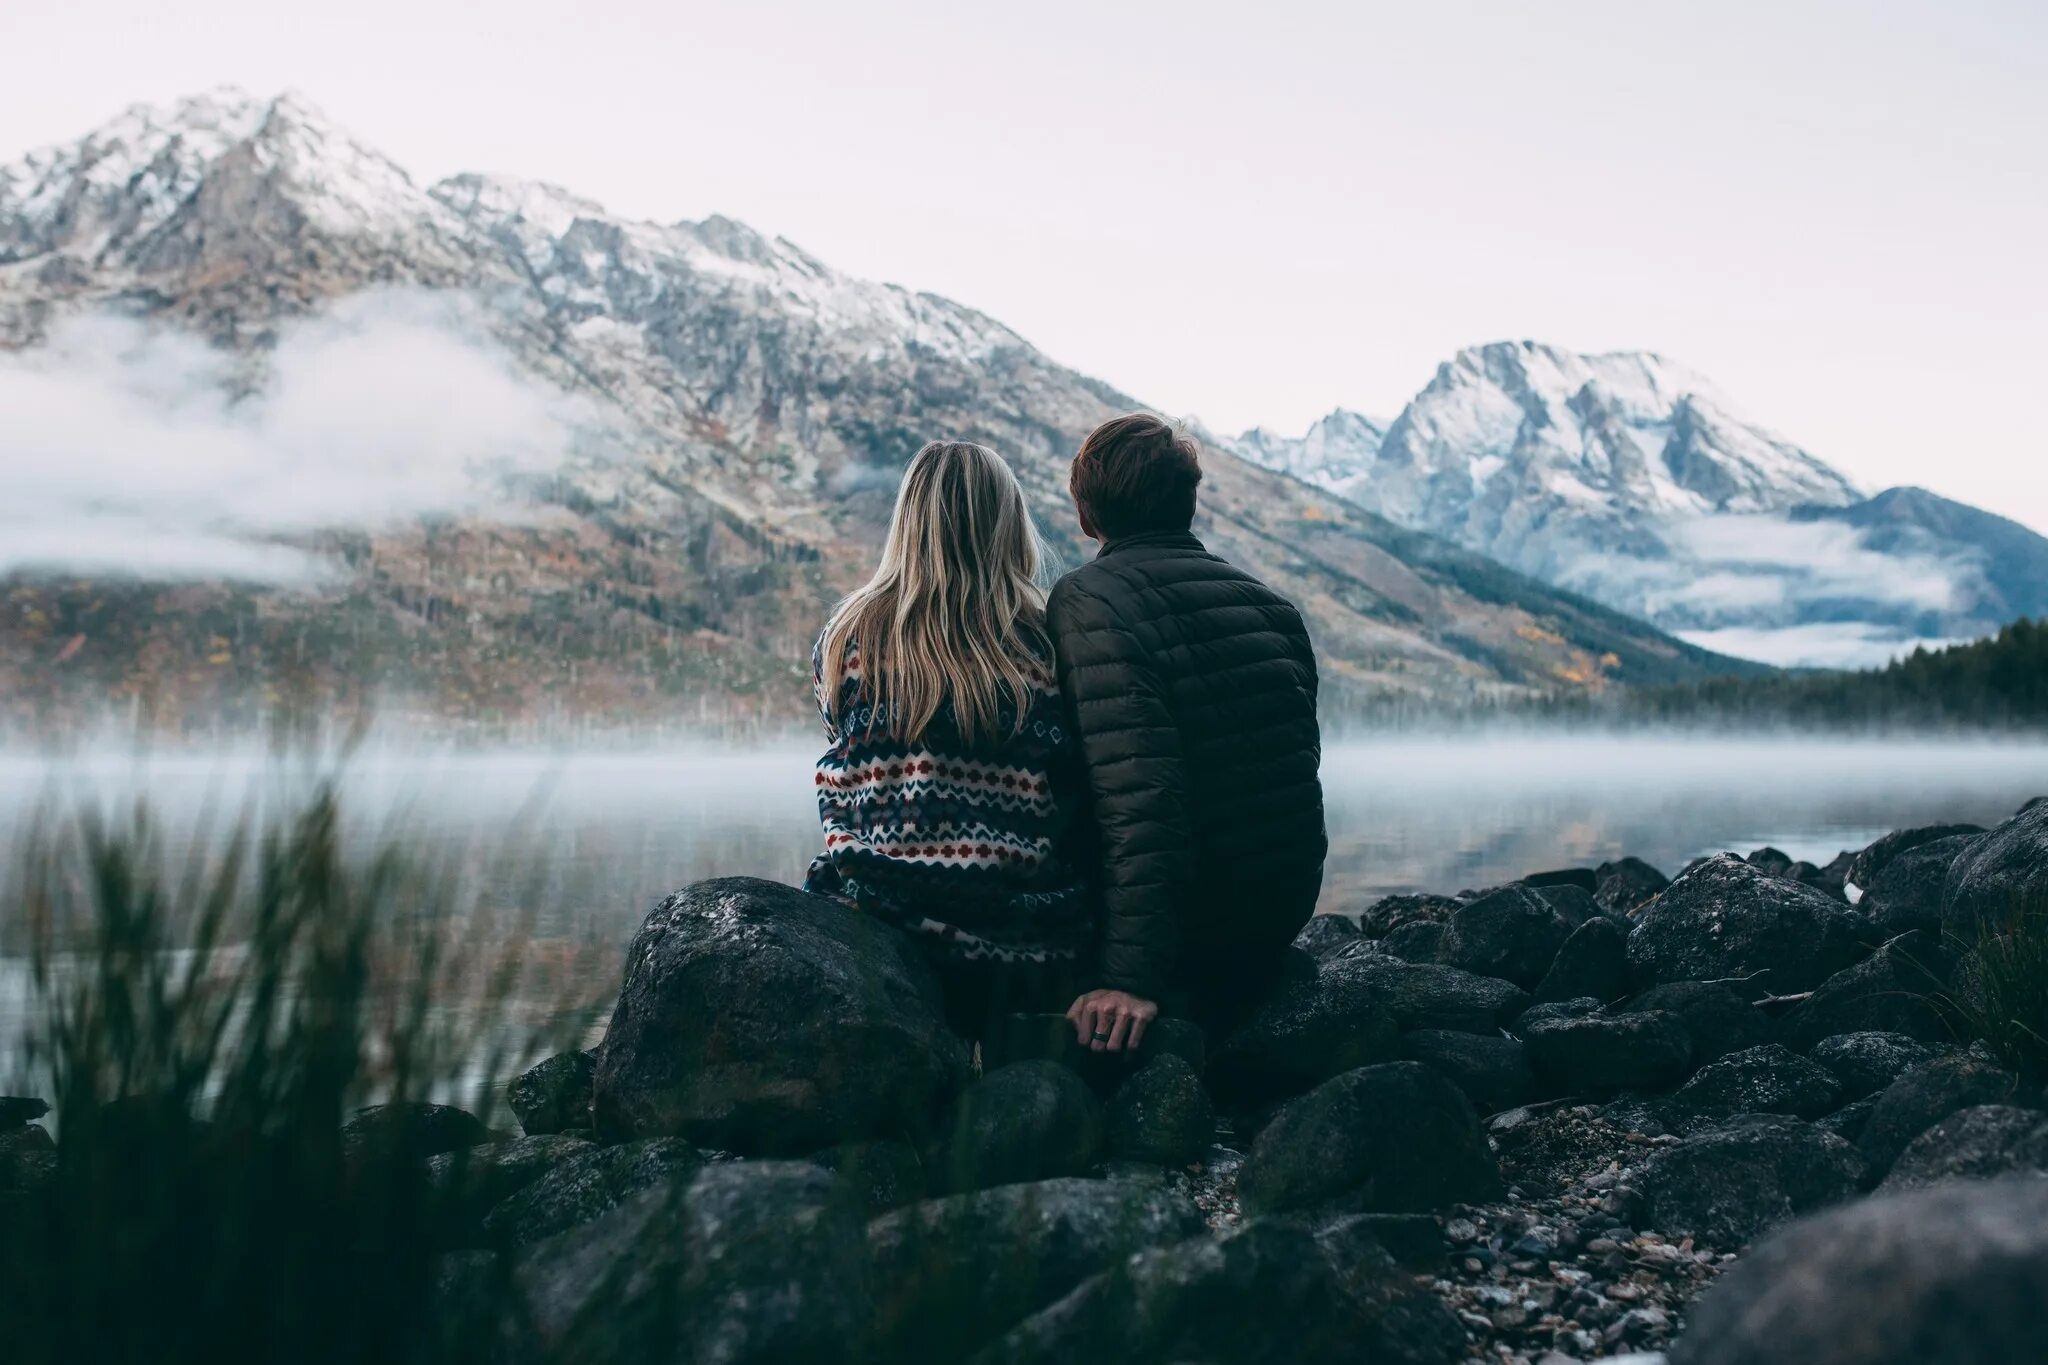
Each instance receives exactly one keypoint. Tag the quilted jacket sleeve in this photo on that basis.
(1132, 749)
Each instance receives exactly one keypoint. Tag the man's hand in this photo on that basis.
(1110, 1021)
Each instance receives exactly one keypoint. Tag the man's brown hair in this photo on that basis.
(1134, 474)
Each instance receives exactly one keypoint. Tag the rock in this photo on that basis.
(1726, 919)
(587, 1186)
(1866, 1063)
(1574, 902)
(1420, 995)
(1325, 934)
(1906, 894)
(1865, 868)
(950, 1274)
(1310, 1031)
(1717, 1019)
(1571, 878)
(1848, 1122)
(1419, 941)
(1626, 883)
(1994, 878)
(1762, 1080)
(1050, 1038)
(1512, 933)
(1489, 1069)
(1272, 1291)
(1928, 1093)
(1593, 962)
(468, 1183)
(1416, 1241)
(878, 1173)
(1161, 1114)
(1767, 859)
(410, 1131)
(1728, 1182)
(1551, 1010)
(762, 1020)
(16, 1110)
(554, 1096)
(747, 1263)
(1389, 913)
(1956, 1274)
(1397, 1138)
(1598, 1054)
(1024, 1121)
(1632, 1111)
(1891, 991)
(1977, 1143)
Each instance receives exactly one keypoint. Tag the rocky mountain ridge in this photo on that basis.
(740, 411)
(1628, 478)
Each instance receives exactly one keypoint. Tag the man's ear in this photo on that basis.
(1087, 526)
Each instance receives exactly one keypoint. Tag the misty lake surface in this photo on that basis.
(575, 847)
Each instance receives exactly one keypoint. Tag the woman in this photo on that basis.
(948, 789)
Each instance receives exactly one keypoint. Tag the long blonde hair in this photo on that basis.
(954, 611)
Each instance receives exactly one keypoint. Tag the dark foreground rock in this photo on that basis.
(1490, 1068)
(1928, 1093)
(1426, 995)
(1593, 962)
(1977, 1143)
(1906, 895)
(588, 1185)
(1727, 920)
(1389, 913)
(1335, 1021)
(1762, 1080)
(1866, 1062)
(1621, 886)
(1325, 934)
(16, 1110)
(761, 1020)
(1728, 1182)
(1956, 1274)
(467, 1184)
(1867, 866)
(951, 1274)
(747, 1262)
(410, 1131)
(879, 1174)
(1024, 1121)
(1598, 1054)
(1161, 1114)
(1512, 933)
(1716, 1019)
(1891, 991)
(1273, 1291)
(554, 1096)
(1395, 1138)
(1991, 882)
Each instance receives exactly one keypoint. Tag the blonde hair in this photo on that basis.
(954, 611)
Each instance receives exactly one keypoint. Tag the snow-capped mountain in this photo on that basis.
(707, 424)
(1629, 478)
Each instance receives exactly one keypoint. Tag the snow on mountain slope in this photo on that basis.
(732, 415)
(1628, 477)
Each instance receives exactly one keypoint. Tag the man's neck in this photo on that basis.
(1184, 540)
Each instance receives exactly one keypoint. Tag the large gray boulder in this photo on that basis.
(1593, 962)
(1162, 1115)
(1999, 877)
(950, 1274)
(1762, 1080)
(1394, 1138)
(1428, 995)
(1928, 1093)
(1726, 920)
(1978, 1143)
(1728, 1182)
(1310, 1030)
(1024, 1121)
(762, 1020)
(1716, 1019)
(748, 1263)
(468, 1183)
(1906, 895)
(1623, 885)
(1272, 1292)
(1490, 1068)
(1598, 1054)
(587, 1184)
(1867, 866)
(1894, 990)
(553, 1096)
(1867, 1062)
(1512, 933)
(1955, 1274)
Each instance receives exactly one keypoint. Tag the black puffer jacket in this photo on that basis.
(1193, 689)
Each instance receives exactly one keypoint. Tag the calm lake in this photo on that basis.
(576, 846)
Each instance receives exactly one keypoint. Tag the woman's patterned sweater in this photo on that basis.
(968, 844)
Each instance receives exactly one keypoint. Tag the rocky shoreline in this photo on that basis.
(1722, 1119)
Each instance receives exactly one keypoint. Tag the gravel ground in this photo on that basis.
(1550, 1275)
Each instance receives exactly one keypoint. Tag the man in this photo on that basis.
(1192, 687)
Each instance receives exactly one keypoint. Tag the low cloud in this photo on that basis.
(1817, 560)
(132, 449)
(1832, 644)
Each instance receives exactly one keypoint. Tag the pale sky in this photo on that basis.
(1254, 213)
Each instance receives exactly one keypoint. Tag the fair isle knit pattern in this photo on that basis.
(962, 843)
